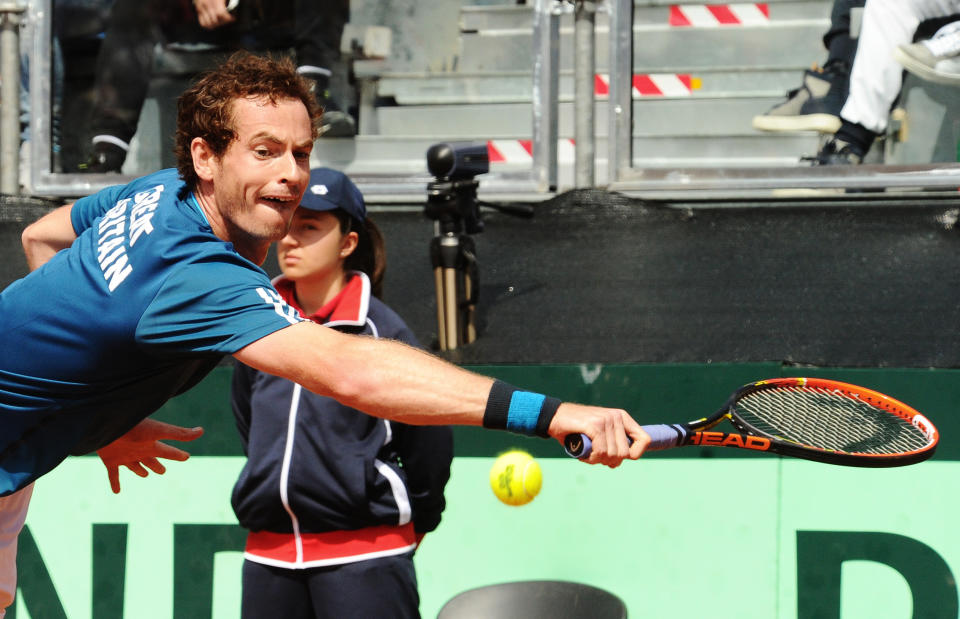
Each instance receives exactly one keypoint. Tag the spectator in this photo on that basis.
(876, 77)
(125, 60)
(815, 105)
(322, 475)
(139, 290)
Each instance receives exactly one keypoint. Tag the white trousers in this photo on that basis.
(876, 78)
(13, 513)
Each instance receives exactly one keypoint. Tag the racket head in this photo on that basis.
(831, 421)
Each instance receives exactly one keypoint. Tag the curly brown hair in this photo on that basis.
(205, 110)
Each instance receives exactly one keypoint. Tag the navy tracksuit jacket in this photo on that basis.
(325, 484)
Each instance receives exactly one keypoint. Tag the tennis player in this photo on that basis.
(139, 290)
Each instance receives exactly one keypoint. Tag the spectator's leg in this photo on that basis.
(841, 44)
(876, 77)
(122, 77)
(345, 590)
(317, 33)
(815, 105)
(274, 592)
(318, 30)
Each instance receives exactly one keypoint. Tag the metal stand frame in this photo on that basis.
(546, 69)
(10, 12)
(455, 273)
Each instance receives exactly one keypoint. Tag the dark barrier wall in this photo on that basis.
(610, 280)
(15, 214)
(597, 277)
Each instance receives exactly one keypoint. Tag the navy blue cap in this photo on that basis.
(330, 189)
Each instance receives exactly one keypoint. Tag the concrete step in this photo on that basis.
(661, 117)
(475, 19)
(517, 86)
(407, 156)
(787, 45)
(393, 170)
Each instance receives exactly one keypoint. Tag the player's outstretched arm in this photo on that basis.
(141, 448)
(395, 381)
(46, 236)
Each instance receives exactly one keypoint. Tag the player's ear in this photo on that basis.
(203, 158)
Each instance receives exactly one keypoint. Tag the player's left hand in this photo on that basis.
(140, 448)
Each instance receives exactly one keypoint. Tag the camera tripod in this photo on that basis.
(452, 204)
(453, 255)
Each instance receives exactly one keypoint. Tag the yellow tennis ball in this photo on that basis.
(515, 477)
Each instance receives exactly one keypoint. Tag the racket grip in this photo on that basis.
(662, 436)
(578, 445)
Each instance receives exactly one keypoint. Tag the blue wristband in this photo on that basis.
(523, 412)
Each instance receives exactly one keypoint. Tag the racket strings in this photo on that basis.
(828, 419)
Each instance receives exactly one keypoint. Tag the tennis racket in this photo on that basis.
(811, 418)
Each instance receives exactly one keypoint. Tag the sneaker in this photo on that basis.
(334, 123)
(337, 124)
(815, 106)
(106, 157)
(936, 59)
(835, 152)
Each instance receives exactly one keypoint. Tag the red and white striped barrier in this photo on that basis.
(652, 85)
(521, 151)
(717, 15)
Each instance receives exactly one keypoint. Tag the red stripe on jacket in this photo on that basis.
(329, 548)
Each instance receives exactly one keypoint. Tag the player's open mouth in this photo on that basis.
(281, 203)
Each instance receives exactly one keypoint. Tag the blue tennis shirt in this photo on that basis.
(144, 303)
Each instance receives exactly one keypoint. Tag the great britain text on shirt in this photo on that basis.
(112, 242)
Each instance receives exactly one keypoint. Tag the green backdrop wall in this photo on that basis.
(687, 533)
